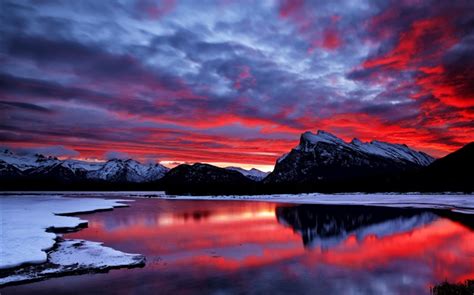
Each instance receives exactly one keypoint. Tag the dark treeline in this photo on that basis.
(412, 181)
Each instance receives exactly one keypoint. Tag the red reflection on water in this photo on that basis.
(230, 236)
(447, 247)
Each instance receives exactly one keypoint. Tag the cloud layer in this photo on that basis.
(233, 81)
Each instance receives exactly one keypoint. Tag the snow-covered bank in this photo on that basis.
(28, 223)
(74, 257)
(455, 202)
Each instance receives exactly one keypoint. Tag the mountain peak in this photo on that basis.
(309, 139)
(253, 173)
(399, 152)
(116, 170)
(356, 141)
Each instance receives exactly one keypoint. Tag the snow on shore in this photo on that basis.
(455, 202)
(458, 202)
(26, 222)
(74, 257)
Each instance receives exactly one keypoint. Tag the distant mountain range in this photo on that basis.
(50, 168)
(38, 171)
(320, 162)
(253, 173)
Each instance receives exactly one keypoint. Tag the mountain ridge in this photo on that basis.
(323, 158)
(388, 150)
(321, 162)
(115, 170)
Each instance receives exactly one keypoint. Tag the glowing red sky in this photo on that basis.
(233, 82)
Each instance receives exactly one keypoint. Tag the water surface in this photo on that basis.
(238, 247)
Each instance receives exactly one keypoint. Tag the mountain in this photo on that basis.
(321, 162)
(40, 171)
(322, 159)
(205, 179)
(23, 163)
(55, 172)
(253, 174)
(453, 172)
(118, 170)
(9, 172)
(397, 152)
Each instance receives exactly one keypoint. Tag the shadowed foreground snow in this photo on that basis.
(27, 223)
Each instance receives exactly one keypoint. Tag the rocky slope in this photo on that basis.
(453, 172)
(253, 174)
(205, 179)
(323, 157)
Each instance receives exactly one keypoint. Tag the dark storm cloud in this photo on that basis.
(89, 61)
(5, 105)
(25, 88)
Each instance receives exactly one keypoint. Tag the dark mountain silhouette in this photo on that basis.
(454, 172)
(205, 179)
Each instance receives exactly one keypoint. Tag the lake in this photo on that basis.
(244, 247)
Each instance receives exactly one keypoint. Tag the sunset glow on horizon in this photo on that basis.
(233, 83)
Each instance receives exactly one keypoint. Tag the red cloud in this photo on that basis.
(426, 39)
(443, 87)
(289, 7)
(331, 39)
(449, 89)
(244, 77)
(155, 10)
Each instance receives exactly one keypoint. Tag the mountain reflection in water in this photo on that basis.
(329, 225)
(209, 247)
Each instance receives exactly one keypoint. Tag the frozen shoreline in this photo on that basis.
(72, 257)
(28, 227)
(454, 202)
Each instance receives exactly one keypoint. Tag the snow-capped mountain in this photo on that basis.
(118, 170)
(323, 157)
(253, 173)
(8, 171)
(24, 162)
(394, 151)
(41, 167)
(397, 152)
(320, 162)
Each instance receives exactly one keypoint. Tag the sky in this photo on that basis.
(232, 82)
